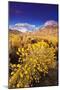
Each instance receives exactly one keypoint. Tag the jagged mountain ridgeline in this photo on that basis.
(33, 55)
(33, 45)
(48, 31)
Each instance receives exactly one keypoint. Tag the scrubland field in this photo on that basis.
(33, 58)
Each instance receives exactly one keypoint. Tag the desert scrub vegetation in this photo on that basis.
(30, 61)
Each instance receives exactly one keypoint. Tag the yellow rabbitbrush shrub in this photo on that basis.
(14, 40)
(36, 59)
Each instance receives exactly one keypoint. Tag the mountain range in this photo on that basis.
(48, 30)
(25, 27)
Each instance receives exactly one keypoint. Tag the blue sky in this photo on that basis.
(35, 14)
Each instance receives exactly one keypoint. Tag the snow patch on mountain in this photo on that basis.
(26, 27)
(50, 23)
(23, 27)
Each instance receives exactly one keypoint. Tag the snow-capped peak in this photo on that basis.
(50, 23)
(23, 27)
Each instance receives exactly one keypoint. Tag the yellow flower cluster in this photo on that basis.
(37, 58)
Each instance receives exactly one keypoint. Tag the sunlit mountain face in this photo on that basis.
(50, 23)
(25, 27)
(33, 45)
